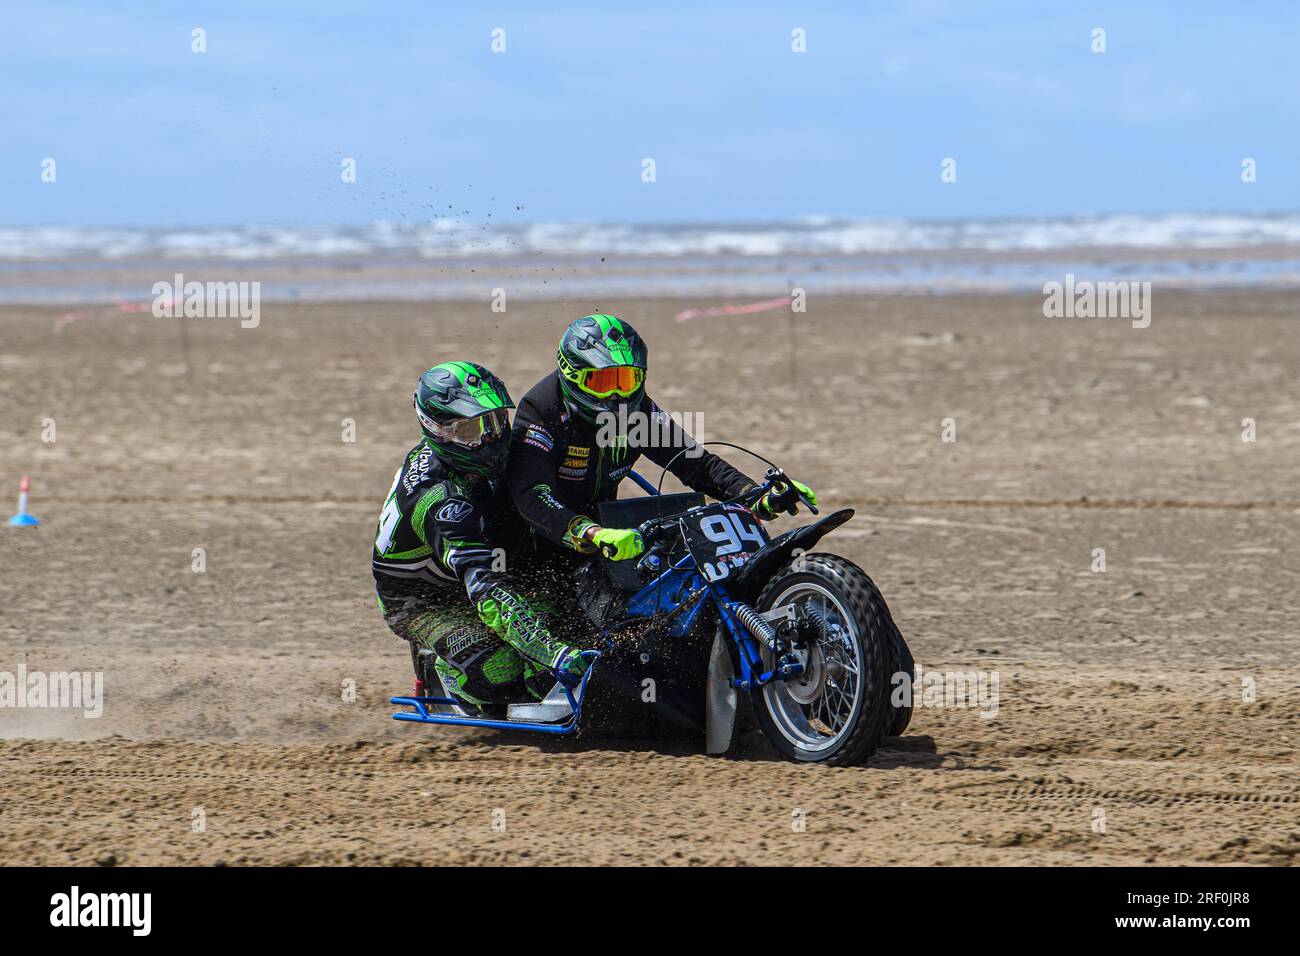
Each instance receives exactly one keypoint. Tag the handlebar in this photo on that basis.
(652, 528)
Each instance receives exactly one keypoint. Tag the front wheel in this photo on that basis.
(838, 710)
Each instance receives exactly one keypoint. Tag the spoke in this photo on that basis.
(821, 709)
(845, 704)
(840, 710)
(832, 720)
(825, 698)
(837, 722)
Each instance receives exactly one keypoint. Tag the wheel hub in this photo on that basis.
(807, 687)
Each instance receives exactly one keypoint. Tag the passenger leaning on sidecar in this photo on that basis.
(440, 549)
(580, 430)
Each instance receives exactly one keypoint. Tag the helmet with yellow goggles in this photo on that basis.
(464, 414)
(602, 363)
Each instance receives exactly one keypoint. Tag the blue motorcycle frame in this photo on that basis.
(680, 592)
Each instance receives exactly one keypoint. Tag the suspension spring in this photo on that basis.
(817, 621)
(758, 625)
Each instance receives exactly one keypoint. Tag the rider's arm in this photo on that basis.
(534, 463)
(697, 469)
(456, 532)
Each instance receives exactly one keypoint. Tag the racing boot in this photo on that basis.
(569, 671)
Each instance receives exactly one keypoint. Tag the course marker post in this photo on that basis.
(22, 519)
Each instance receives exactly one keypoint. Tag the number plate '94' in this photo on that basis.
(722, 537)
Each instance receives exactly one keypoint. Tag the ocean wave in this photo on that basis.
(461, 239)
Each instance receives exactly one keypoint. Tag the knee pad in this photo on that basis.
(483, 666)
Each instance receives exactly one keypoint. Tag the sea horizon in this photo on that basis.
(450, 258)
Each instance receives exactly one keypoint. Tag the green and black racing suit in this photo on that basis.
(444, 537)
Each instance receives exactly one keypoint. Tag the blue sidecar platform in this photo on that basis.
(557, 713)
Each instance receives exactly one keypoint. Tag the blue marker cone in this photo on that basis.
(22, 519)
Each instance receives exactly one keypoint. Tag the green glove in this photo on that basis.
(784, 498)
(618, 544)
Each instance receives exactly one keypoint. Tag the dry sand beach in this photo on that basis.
(1147, 713)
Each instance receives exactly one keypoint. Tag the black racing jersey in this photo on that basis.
(560, 467)
(442, 532)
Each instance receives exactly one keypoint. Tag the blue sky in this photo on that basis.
(146, 132)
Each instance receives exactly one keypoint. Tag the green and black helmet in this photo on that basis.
(602, 366)
(463, 412)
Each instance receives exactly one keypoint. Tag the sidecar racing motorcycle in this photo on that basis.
(718, 628)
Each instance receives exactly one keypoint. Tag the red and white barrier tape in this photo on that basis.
(766, 305)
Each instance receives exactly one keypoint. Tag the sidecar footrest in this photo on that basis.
(556, 713)
(553, 707)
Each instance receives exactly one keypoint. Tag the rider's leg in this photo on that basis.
(477, 666)
(399, 612)
(526, 620)
(473, 663)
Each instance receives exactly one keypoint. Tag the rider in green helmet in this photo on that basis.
(441, 545)
(580, 431)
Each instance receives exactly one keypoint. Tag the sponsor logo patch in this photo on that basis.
(453, 511)
(538, 437)
(417, 470)
(547, 497)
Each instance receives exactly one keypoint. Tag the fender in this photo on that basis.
(753, 574)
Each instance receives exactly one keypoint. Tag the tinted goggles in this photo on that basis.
(622, 380)
(472, 432)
